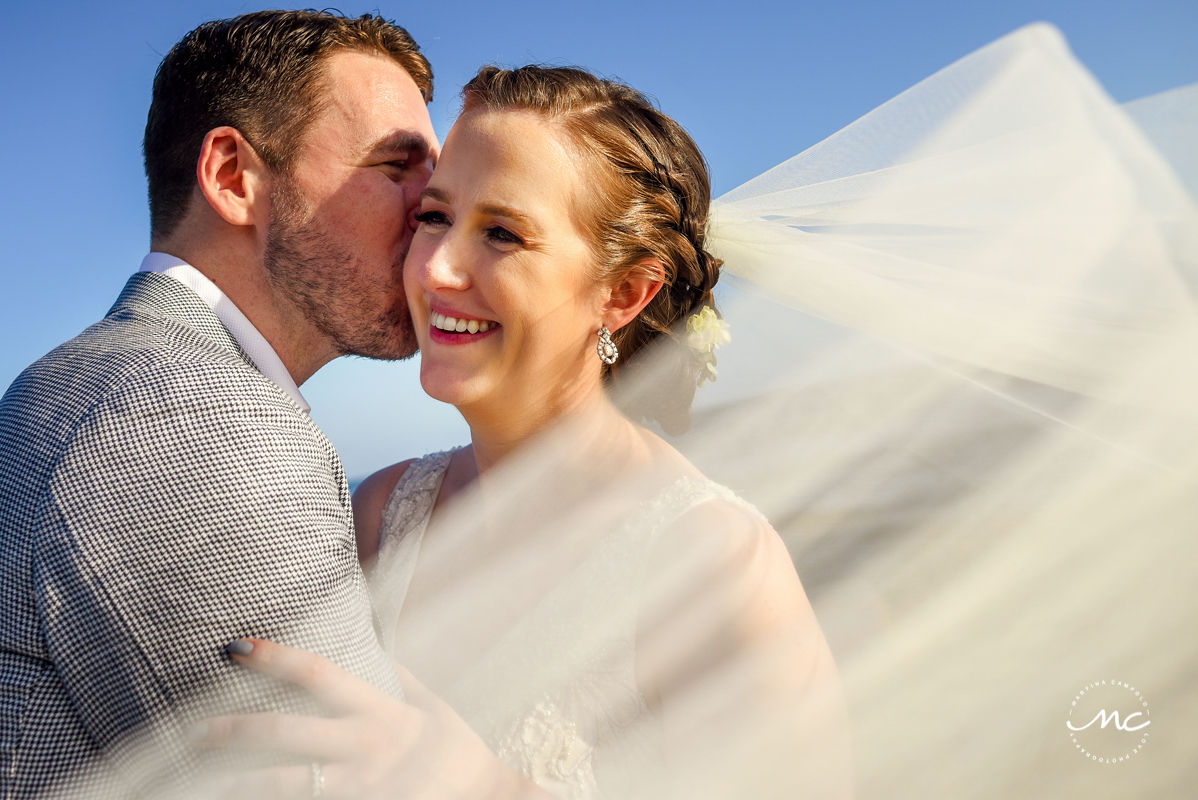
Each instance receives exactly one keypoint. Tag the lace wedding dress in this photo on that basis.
(556, 696)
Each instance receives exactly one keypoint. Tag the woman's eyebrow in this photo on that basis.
(528, 225)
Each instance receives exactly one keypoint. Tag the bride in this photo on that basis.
(563, 233)
(963, 393)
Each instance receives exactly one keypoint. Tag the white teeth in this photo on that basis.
(455, 325)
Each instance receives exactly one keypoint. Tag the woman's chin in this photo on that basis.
(456, 390)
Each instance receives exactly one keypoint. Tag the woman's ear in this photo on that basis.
(628, 297)
(232, 177)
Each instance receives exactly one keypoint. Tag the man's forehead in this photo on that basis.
(371, 70)
(371, 97)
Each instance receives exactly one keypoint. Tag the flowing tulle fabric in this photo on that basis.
(961, 386)
(974, 311)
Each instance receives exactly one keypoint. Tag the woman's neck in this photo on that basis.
(496, 435)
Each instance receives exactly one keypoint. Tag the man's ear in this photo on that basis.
(232, 177)
(628, 297)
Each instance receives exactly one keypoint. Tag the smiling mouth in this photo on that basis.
(450, 324)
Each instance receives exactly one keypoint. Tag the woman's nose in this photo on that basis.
(444, 268)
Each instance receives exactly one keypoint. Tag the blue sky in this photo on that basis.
(754, 83)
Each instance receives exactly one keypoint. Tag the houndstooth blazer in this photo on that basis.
(159, 498)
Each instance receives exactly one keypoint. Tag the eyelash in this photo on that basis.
(432, 218)
(496, 233)
(503, 235)
(399, 165)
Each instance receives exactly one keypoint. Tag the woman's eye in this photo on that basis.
(502, 235)
(432, 218)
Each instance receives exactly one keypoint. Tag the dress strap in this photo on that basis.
(410, 503)
(405, 519)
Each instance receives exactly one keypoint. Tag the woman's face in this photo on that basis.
(497, 275)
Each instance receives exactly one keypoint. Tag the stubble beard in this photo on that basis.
(330, 286)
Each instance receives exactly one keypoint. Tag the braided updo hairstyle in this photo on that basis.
(650, 201)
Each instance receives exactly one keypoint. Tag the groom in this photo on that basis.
(163, 491)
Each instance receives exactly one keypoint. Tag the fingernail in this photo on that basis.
(197, 731)
(239, 647)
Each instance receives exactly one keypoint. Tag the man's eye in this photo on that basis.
(503, 235)
(432, 218)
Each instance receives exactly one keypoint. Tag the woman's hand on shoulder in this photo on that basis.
(369, 500)
(372, 746)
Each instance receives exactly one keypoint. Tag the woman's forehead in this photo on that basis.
(517, 151)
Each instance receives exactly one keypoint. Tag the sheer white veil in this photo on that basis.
(964, 348)
(962, 386)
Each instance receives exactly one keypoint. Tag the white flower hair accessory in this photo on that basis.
(705, 331)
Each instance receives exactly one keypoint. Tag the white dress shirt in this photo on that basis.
(252, 342)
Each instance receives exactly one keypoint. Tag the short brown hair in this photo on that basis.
(259, 73)
(652, 201)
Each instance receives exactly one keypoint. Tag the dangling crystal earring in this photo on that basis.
(606, 348)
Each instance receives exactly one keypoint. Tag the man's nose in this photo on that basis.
(419, 182)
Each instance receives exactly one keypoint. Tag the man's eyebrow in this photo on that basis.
(400, 142)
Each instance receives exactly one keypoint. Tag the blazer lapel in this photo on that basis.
(170, 297)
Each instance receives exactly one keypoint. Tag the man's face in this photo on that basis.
(341, 221)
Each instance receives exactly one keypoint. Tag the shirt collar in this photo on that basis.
(252, 342)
